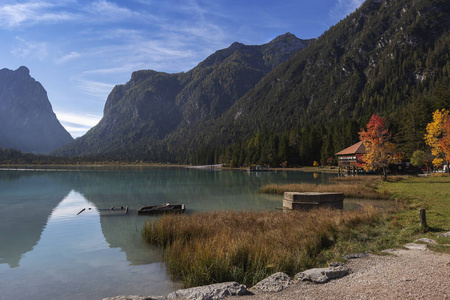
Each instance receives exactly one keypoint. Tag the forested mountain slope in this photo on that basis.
(384, 57)
(152, 104)
(388, 57)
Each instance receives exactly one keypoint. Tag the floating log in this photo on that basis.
(165, 208)
(81, 211)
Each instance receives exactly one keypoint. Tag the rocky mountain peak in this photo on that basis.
(23, 71)
(27, 121)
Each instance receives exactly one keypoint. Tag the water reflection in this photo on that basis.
(26, 202)
(58, 254)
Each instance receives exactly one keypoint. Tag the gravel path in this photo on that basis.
(407, 274)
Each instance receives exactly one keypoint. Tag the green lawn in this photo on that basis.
(430, 193)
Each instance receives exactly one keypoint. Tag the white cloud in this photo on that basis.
(109, 10)
(93, 88)
(34, 12)
(68, 57)
(87, 120)
(343, 8)
(30, 49)
(77, 124)
(12, 15)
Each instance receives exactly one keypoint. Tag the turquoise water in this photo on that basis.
(47, 251)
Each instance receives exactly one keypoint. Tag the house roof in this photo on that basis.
(357, 148)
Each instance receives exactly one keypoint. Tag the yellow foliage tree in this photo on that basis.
(435, 131)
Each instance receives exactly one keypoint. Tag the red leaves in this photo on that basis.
(379, 151)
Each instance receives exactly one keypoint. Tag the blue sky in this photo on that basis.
(79, 50)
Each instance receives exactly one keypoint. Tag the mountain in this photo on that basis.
(153, 104)
(27, 121)
(271, 104)
(380, 59)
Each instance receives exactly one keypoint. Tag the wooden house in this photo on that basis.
(350, 158)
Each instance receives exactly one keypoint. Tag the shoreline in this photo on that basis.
(113, 166)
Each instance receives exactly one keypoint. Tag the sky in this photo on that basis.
(80, 49)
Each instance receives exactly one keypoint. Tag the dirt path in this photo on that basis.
(407, 274)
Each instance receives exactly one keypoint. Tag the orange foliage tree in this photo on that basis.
(379, 151)
(435, 132)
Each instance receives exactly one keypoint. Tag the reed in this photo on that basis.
(366, 189)
(248, 246)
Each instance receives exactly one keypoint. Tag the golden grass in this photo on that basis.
(249, 246)
(364, 188)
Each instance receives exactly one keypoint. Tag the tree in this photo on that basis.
(412, 120)
(379, 151)
(435, 131)
(444, 142)
(418, 158)
(421, 158)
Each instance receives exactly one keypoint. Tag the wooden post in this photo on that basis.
(126, 210)
(423, 218)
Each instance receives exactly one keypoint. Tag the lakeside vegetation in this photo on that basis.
(353, 187)
(249, 246)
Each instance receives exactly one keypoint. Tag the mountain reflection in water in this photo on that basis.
(56, 253)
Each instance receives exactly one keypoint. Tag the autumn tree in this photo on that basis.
(435, 132)
(379, 151)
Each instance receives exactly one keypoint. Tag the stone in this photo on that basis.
(415, 246)
(134, 297)
(426, 240)
(308, 200)
(211, 292)
(390, 250)
(447, 234)
(322, 275)
(355, 255)
(335, 264)
(274, 283)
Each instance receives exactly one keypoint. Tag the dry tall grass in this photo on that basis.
(364, 188)
(248, 246)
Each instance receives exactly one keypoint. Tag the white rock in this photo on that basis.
(426, 240)
(274, 283)
(211, 292)
(415, 246)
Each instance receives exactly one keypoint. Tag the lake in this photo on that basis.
(47, 251)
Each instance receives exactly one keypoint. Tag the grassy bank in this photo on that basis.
(248, 246)
(352, 187)
(432, 194)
